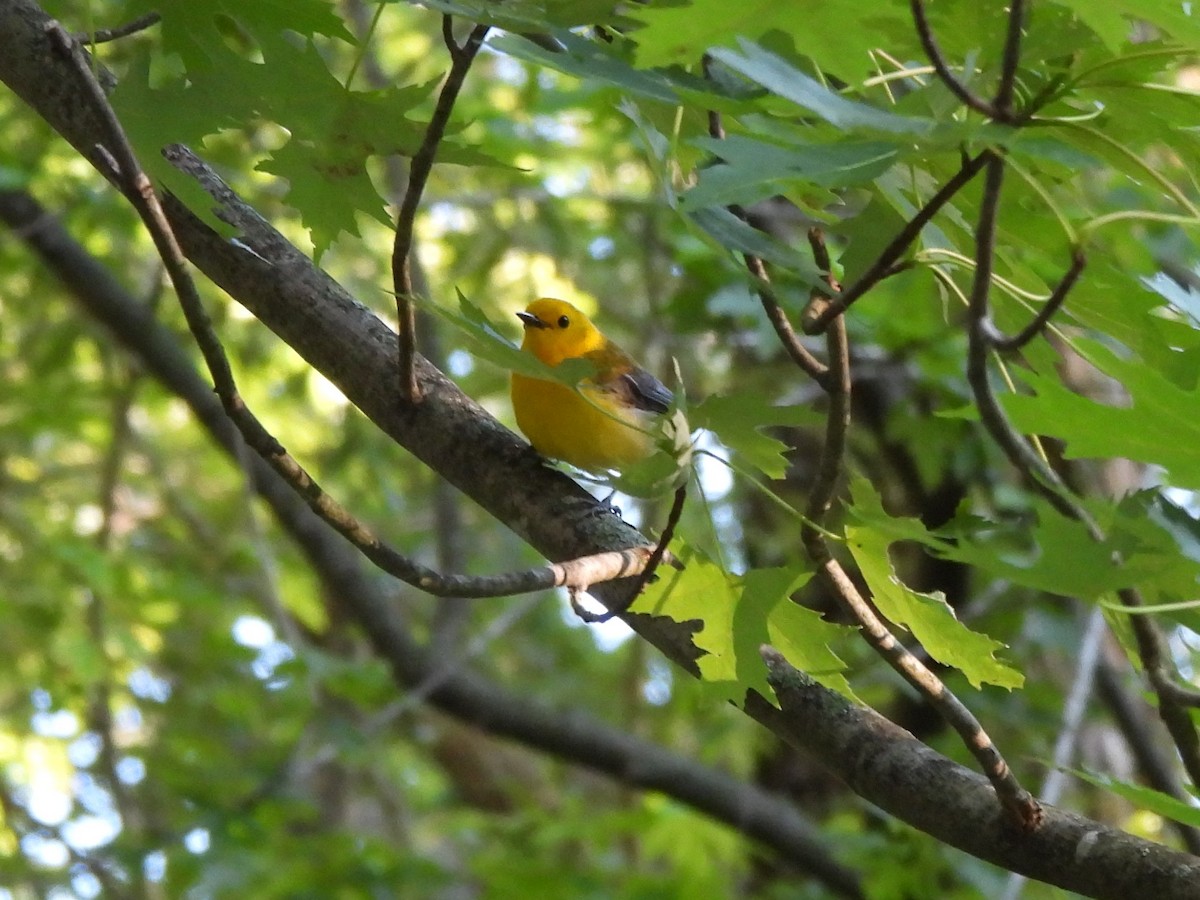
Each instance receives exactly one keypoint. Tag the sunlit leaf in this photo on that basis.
(931, 620)
(739, 615)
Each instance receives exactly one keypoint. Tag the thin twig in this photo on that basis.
(418, 174)
(586, 571)
(800, 354)
(837, 416)
(820, 252)
(1044, 479)
(949, 79)
(1008, 343)
(821, 311)
(1017, 802)
(664, 541)
(104, 35)
(1010, 61)
(652, 564)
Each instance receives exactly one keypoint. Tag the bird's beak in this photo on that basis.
(530, 320)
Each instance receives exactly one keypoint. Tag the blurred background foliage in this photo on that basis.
(184, 713)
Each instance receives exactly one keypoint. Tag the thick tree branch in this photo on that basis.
(880, 760)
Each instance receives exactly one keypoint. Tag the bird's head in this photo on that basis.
(555, 330)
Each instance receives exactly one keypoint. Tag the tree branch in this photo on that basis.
(418, 174)
(1017, 801)
(880, 760)
(938, 61)
(800, 354)
(1008, 343)
(1009, 62)
(821, 311)
(104, 35)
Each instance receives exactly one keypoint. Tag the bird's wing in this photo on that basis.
(641, 390)
(627, 383)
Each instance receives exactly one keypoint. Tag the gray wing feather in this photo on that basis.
(643, 391)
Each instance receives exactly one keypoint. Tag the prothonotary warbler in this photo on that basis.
(617, 416)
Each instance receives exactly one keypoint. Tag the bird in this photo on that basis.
(613, 419)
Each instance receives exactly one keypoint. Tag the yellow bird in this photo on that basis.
(615, 419)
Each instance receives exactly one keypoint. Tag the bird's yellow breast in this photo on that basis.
(586, 428)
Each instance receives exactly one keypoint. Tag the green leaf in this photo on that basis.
(176, 112)
(1159, 426)
(529, 15)
(680, 34)
(733, 234)
(1046, 551)
(705, 594)
(328, 194)
(801, 634)
(1160, 541)
(586, 59)
(738, 421)
(199, 32)
(1114, 20)
(752, 169)
(831, 32)
(928, 616)
(738, 614)
(333, 131)
(781, 78)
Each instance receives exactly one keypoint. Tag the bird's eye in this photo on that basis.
(563, 321)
